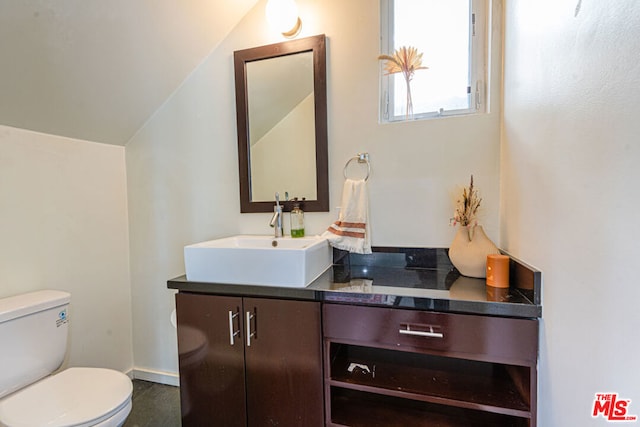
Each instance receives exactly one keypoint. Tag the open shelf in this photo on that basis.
(459, 383)
(359, 409)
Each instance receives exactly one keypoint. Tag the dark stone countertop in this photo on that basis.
(405, 278)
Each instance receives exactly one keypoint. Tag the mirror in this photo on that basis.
(281, 105)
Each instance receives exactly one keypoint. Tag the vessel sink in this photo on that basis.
(258, 260)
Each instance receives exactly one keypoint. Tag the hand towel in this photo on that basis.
(351, 231)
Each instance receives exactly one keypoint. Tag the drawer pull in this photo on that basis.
(430, 333)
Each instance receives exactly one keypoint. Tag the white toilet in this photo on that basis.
(33, 336)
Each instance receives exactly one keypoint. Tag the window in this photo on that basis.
(451, 36)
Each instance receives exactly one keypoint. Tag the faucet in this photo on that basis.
(276, 220)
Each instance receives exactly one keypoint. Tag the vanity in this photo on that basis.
(394, 338)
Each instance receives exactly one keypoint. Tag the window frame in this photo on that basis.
(478, 64)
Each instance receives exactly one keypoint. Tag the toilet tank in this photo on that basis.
(33, 336)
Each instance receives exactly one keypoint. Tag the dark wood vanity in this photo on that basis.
(346, 351)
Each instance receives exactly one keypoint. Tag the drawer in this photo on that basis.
(477, 337)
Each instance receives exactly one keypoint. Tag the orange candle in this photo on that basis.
(498, 271)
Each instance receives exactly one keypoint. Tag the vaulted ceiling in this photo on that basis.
(97, 69)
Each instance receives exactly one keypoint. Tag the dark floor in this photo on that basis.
(154, 405)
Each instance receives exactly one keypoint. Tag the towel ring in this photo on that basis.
(361, 158)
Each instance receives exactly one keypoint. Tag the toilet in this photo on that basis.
(33, 332)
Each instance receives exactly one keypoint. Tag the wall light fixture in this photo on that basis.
(282, 15)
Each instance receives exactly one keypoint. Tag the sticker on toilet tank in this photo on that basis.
(62, 318)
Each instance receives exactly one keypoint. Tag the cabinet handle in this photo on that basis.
(250, 334)
(232, 333)
(429, 334)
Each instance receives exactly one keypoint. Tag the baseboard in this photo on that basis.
(168, 378)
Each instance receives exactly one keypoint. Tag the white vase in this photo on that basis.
(469, 250)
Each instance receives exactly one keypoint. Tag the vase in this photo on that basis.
(469, 250)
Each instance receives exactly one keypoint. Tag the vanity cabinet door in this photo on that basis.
(249, 361)
(212, 376)
(283, 363)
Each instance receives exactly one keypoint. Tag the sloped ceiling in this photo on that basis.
(98, 69)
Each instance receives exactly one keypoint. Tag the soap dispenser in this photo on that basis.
(297, 221)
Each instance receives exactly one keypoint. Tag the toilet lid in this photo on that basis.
(74, 397)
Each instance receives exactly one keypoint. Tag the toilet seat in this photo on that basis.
(76, 397)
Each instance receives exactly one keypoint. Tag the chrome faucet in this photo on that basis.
(276, 220)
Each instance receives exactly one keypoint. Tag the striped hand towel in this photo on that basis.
(351, 231)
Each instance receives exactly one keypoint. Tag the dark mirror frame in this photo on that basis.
(317, 44)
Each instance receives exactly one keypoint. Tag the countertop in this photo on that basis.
(405, 278)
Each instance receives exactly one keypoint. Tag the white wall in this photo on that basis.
(182, 165)
(570, 204)
(63, 222)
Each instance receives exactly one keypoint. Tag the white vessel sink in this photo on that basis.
(258, 260)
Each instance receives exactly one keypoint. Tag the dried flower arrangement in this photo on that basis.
(405, 60)
(467, 208)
